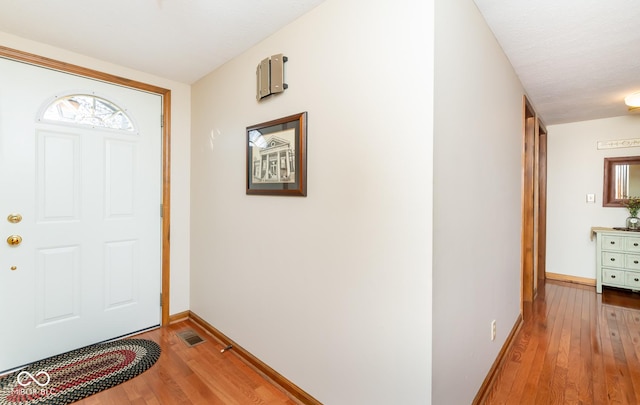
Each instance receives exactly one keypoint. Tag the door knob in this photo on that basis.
(14, 240)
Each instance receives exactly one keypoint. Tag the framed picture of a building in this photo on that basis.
(277, 157)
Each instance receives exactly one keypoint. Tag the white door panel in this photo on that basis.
(89, 266)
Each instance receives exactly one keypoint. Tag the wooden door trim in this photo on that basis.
(42, 61)
(527, 285)
(534, 203)
(542, 192)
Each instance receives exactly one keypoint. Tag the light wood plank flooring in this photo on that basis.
(192, 375)
(576, 347)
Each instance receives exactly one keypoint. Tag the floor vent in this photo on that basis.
(190, 338)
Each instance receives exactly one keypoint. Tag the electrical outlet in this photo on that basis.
(591, 198)
(493, 330)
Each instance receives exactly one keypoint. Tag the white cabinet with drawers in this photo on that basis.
(618, 259)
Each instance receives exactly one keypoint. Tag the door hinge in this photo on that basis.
(161, 210)
(160, 299)
(161, 120)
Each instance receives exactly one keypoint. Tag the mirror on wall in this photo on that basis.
(621, 180)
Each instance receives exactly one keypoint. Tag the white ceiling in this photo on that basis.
(577, 59)
(181, 40)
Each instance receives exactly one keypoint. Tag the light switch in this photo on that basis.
(591, 198)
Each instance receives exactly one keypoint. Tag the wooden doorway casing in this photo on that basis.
(541, 234)
(534, 203)
(41, 61)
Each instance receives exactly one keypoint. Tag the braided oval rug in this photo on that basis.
(71, 376)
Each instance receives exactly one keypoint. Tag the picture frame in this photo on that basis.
(277, 157)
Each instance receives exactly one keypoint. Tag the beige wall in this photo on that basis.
(332, 290)
(576, 168)
(477, 194)
(337, 290)
(180, 130)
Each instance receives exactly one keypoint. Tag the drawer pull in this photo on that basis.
(613, 242)
(613, 276)
(613, 259)
(635, 262)
(635, 243)
(636, 279)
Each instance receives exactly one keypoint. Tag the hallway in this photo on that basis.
(576, 347)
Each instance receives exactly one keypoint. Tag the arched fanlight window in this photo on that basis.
(86, 109)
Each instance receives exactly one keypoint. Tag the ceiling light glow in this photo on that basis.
(633, 100)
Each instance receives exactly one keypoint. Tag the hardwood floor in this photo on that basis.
(192, 375)
(576, 347)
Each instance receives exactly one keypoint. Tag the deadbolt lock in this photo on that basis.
(14, 218)
(14, 240)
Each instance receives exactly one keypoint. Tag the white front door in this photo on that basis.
(88, 267)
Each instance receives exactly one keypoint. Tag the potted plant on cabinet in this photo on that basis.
(633, 205)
